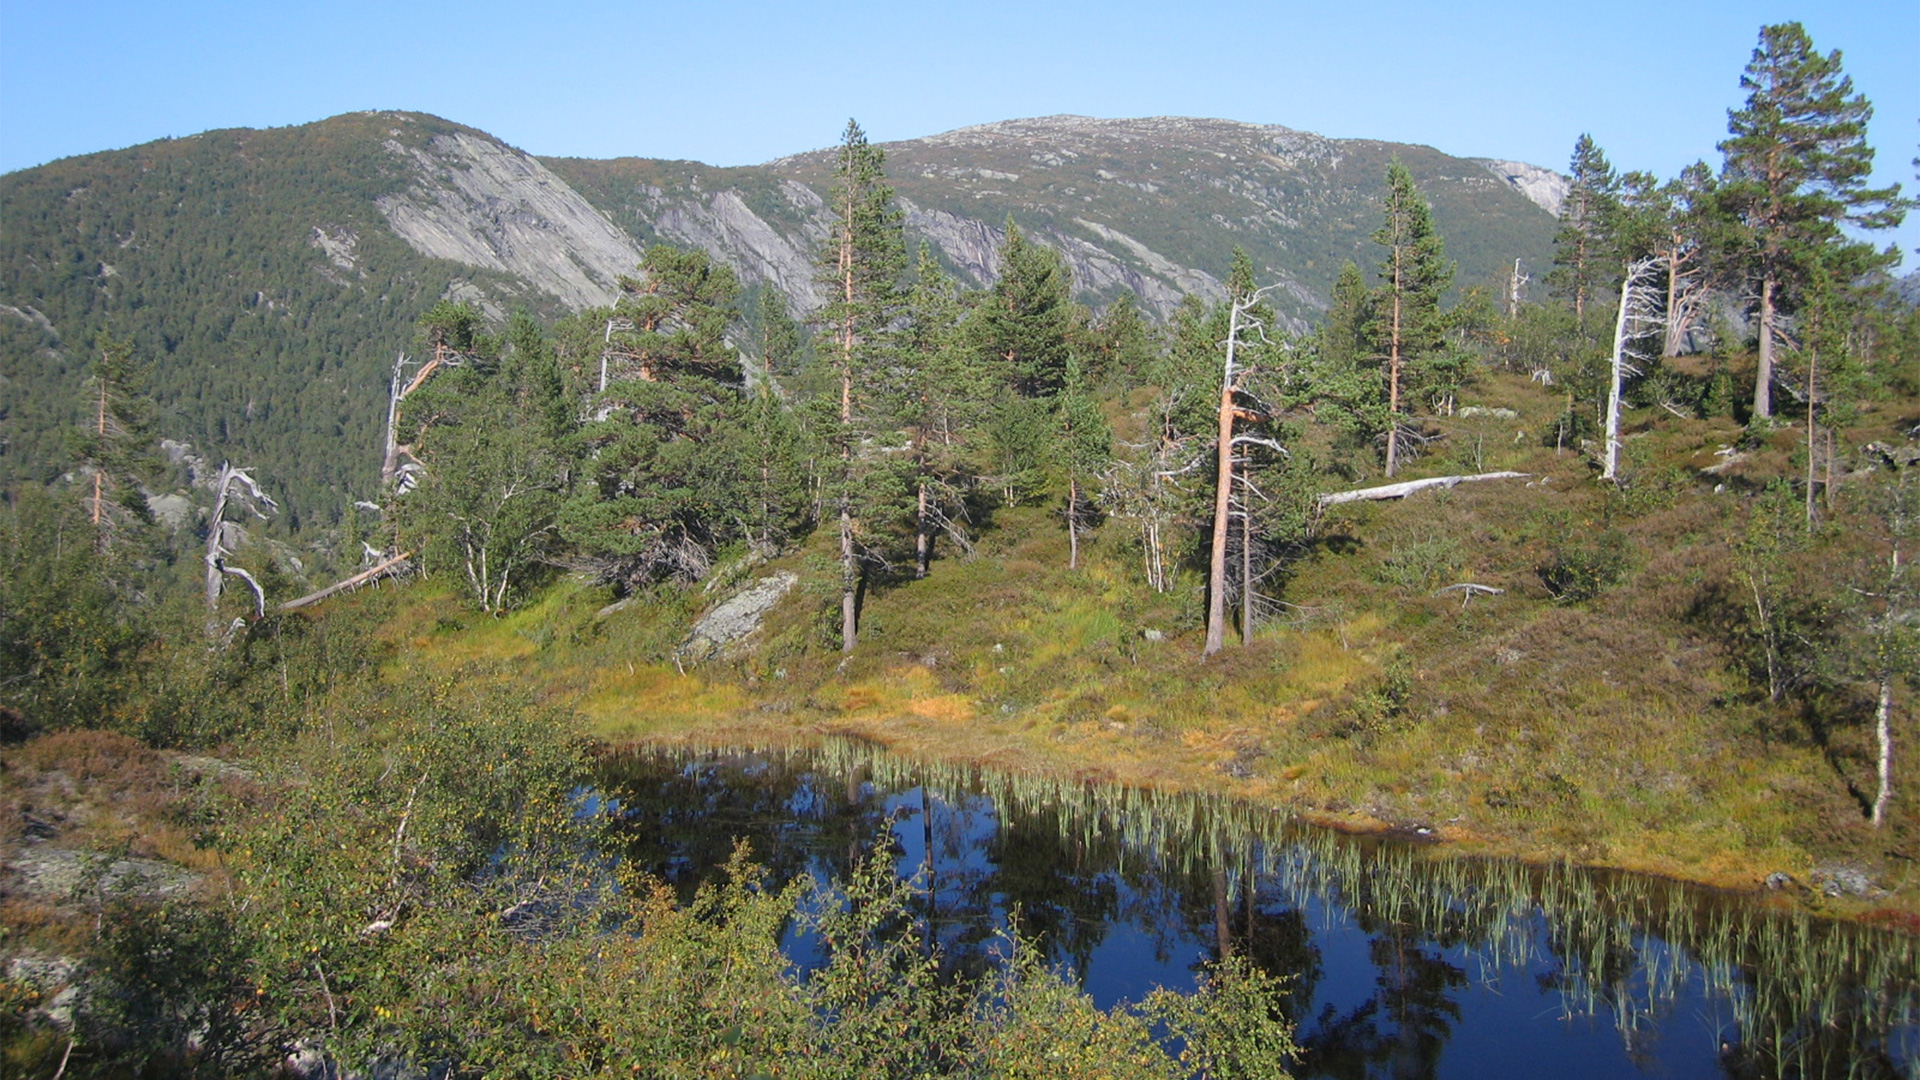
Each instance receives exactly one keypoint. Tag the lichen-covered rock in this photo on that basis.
(737, 616)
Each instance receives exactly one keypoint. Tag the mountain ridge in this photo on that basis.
(271, 275)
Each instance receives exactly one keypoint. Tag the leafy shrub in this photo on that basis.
(1582, 568)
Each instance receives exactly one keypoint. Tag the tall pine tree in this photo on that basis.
(1406, 328)
(1583, 259)
(861, 265)
(1797, 164)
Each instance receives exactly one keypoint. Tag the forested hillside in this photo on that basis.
(269, 278)
(1608, 561)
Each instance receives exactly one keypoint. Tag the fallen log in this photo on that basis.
(360, 578)
(1406, 488)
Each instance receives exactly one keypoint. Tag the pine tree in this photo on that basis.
(861, 264)
(1406, 328)
(1582, 249)
(113, 443)
(1028, 317)
(1121, 345)
(1086, 445)
(658, 489)
(1796, 170)
(941, 391)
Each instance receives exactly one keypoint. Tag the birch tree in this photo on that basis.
(1889, 608)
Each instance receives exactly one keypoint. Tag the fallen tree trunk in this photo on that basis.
(358, 579)
(1406, 488)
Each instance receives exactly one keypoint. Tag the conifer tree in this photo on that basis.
(861, 264)
(1582, 249)
(657, 489)
(1797, 164)
(1086, 445)
(941, 393)
(1026, 320)
(112, 444)
(1121, 345)
(1406, 328)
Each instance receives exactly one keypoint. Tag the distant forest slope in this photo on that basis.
(269, 278)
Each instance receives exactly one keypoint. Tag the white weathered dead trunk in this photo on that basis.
(1763, 368)
(1636, 312)
(1408, 487)
(1883, 732)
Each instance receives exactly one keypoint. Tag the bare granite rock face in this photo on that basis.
(1546, 188)
(737, 616)
(728, 229)
(483, 204)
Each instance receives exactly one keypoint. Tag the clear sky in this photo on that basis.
(731, 82)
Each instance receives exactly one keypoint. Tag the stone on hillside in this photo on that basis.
(737, 616)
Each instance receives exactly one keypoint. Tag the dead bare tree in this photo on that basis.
(1233, 379)
(1408, 487)
(1639, 314)
(1516, 290)
(223, 536)
(393, 471)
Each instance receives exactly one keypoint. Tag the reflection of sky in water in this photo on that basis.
(1381, 1000)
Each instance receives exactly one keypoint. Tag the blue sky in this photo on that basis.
(734, 83)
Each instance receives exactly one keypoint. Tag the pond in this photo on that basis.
(1403, 961)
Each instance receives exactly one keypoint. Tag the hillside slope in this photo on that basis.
(270, 277)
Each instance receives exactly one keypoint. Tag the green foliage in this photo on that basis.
(1584, 256)
(69, 637)
(1023, 327)
(1582, 565)
(206, 255)
(1405, 330)
(488, 435)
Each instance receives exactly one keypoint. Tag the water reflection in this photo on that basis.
(1402, 964)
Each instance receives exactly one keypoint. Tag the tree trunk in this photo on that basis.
(1073, 522)
(1246, 570)
(1763, 368)
(1613, 385)
(1883, 731)
(1408, 487)
(1222, 494)
(1393, 376)
(1813, 408)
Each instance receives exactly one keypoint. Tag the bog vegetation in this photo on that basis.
(1658, 613)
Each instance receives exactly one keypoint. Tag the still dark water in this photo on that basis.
(1403, 963)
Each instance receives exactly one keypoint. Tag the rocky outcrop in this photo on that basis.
(728, 229)
(1544, 187)
(55, 875)
(736, 617)
(482, 204)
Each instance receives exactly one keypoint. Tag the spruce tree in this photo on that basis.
(1797, 164)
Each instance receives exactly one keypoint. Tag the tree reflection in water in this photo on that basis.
(1401, 964)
